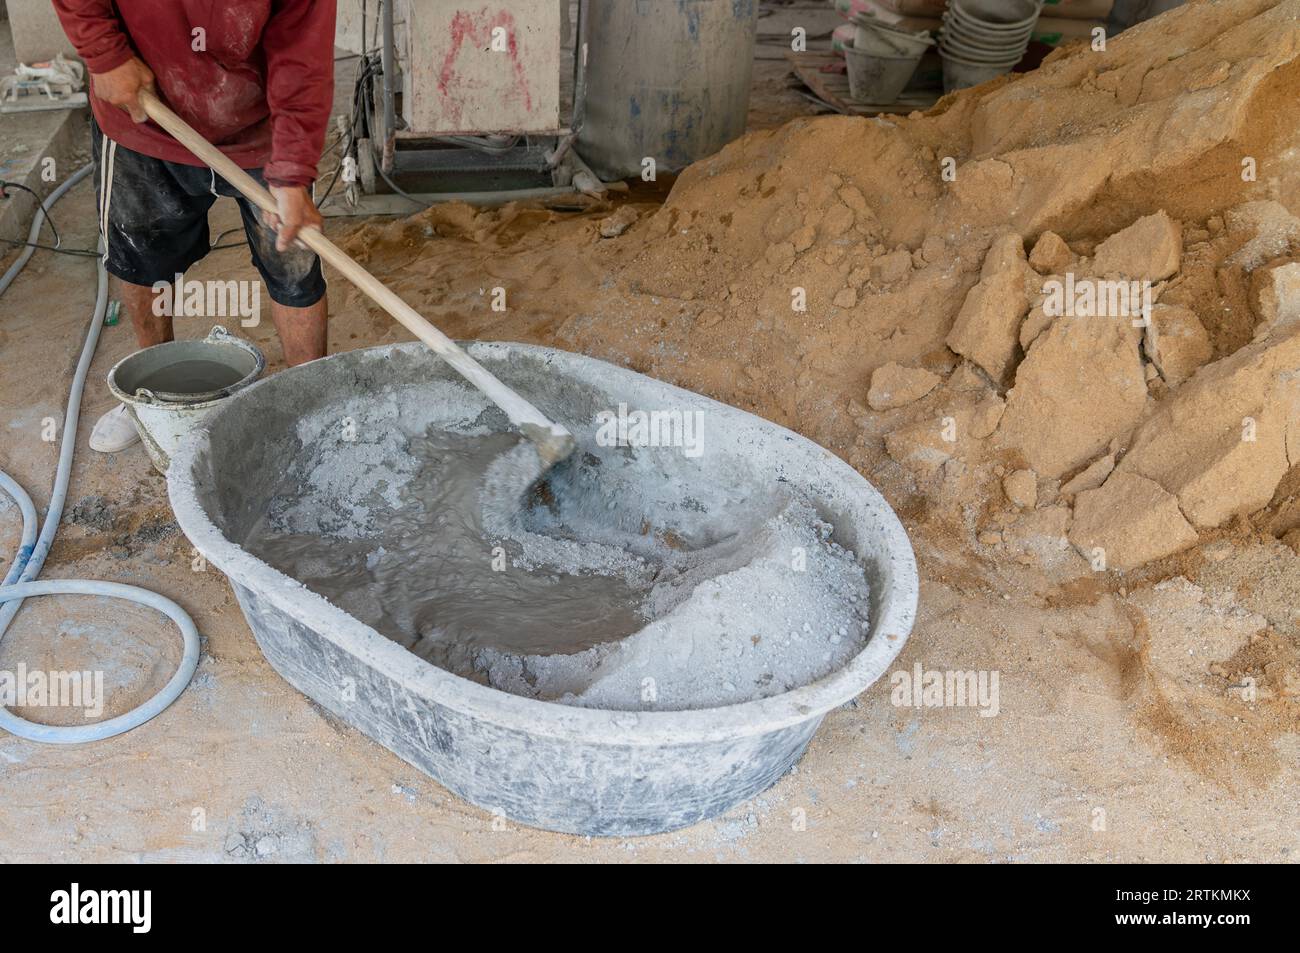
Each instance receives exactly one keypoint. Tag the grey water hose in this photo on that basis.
(20, 581)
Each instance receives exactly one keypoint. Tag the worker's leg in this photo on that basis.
(302, 330)
(294, 283)
(150, 315)
(149, 311)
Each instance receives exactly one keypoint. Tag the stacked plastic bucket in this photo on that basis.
(982, 39)
(882, 60)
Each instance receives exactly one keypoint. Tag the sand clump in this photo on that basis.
(893, 385)
(1021, 488)
(1051, 255)
(1150, 249)
(987, 328)
(1081, 385)
(1127, 521)
(1176, 343)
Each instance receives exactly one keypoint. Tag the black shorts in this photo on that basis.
(154, 218)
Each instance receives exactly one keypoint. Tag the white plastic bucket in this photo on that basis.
(981, 46)
(953, 26)
(974, 55)
(1009, 16)
(962, 74)
(878, 79)
(883, 40)
(164, 417)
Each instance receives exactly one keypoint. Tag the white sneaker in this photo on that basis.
(114, 431)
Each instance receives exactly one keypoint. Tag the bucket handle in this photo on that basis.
(146, 394)
(218, 333)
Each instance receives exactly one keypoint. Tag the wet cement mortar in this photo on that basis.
(442, 539)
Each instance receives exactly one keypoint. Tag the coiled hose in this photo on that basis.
(20, 582)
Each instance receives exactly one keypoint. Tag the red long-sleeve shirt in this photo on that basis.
(258, 81)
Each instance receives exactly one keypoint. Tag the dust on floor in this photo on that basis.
(1142, 714)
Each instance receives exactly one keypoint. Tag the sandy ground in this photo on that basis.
(1113, 740)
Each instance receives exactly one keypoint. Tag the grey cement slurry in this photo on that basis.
(431, 581)
(574, 592)
(191, 377)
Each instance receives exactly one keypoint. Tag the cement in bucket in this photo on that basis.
(169, 388)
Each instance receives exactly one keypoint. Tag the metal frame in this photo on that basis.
(541, 165)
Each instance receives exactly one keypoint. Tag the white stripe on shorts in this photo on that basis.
(106, 157)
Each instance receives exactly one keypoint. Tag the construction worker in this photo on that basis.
(255, 78)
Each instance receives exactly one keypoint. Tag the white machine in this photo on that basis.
(462, 99)
(475, 67)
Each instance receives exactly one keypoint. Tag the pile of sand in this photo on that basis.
(900, 283)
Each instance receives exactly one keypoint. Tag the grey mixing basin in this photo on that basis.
(546, 764)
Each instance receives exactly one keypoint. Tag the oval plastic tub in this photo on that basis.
(544, 764)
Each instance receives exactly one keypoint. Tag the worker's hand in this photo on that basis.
(121, 86)
(294, 210)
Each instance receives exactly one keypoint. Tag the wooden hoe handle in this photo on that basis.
(554, 441)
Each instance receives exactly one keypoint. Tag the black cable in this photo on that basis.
(351, 133)
(379, 167)
(219, 247)
(358, 87)
(398, 189)
(86, 253)
(4, 184)
(54, 248)
(78, 252)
